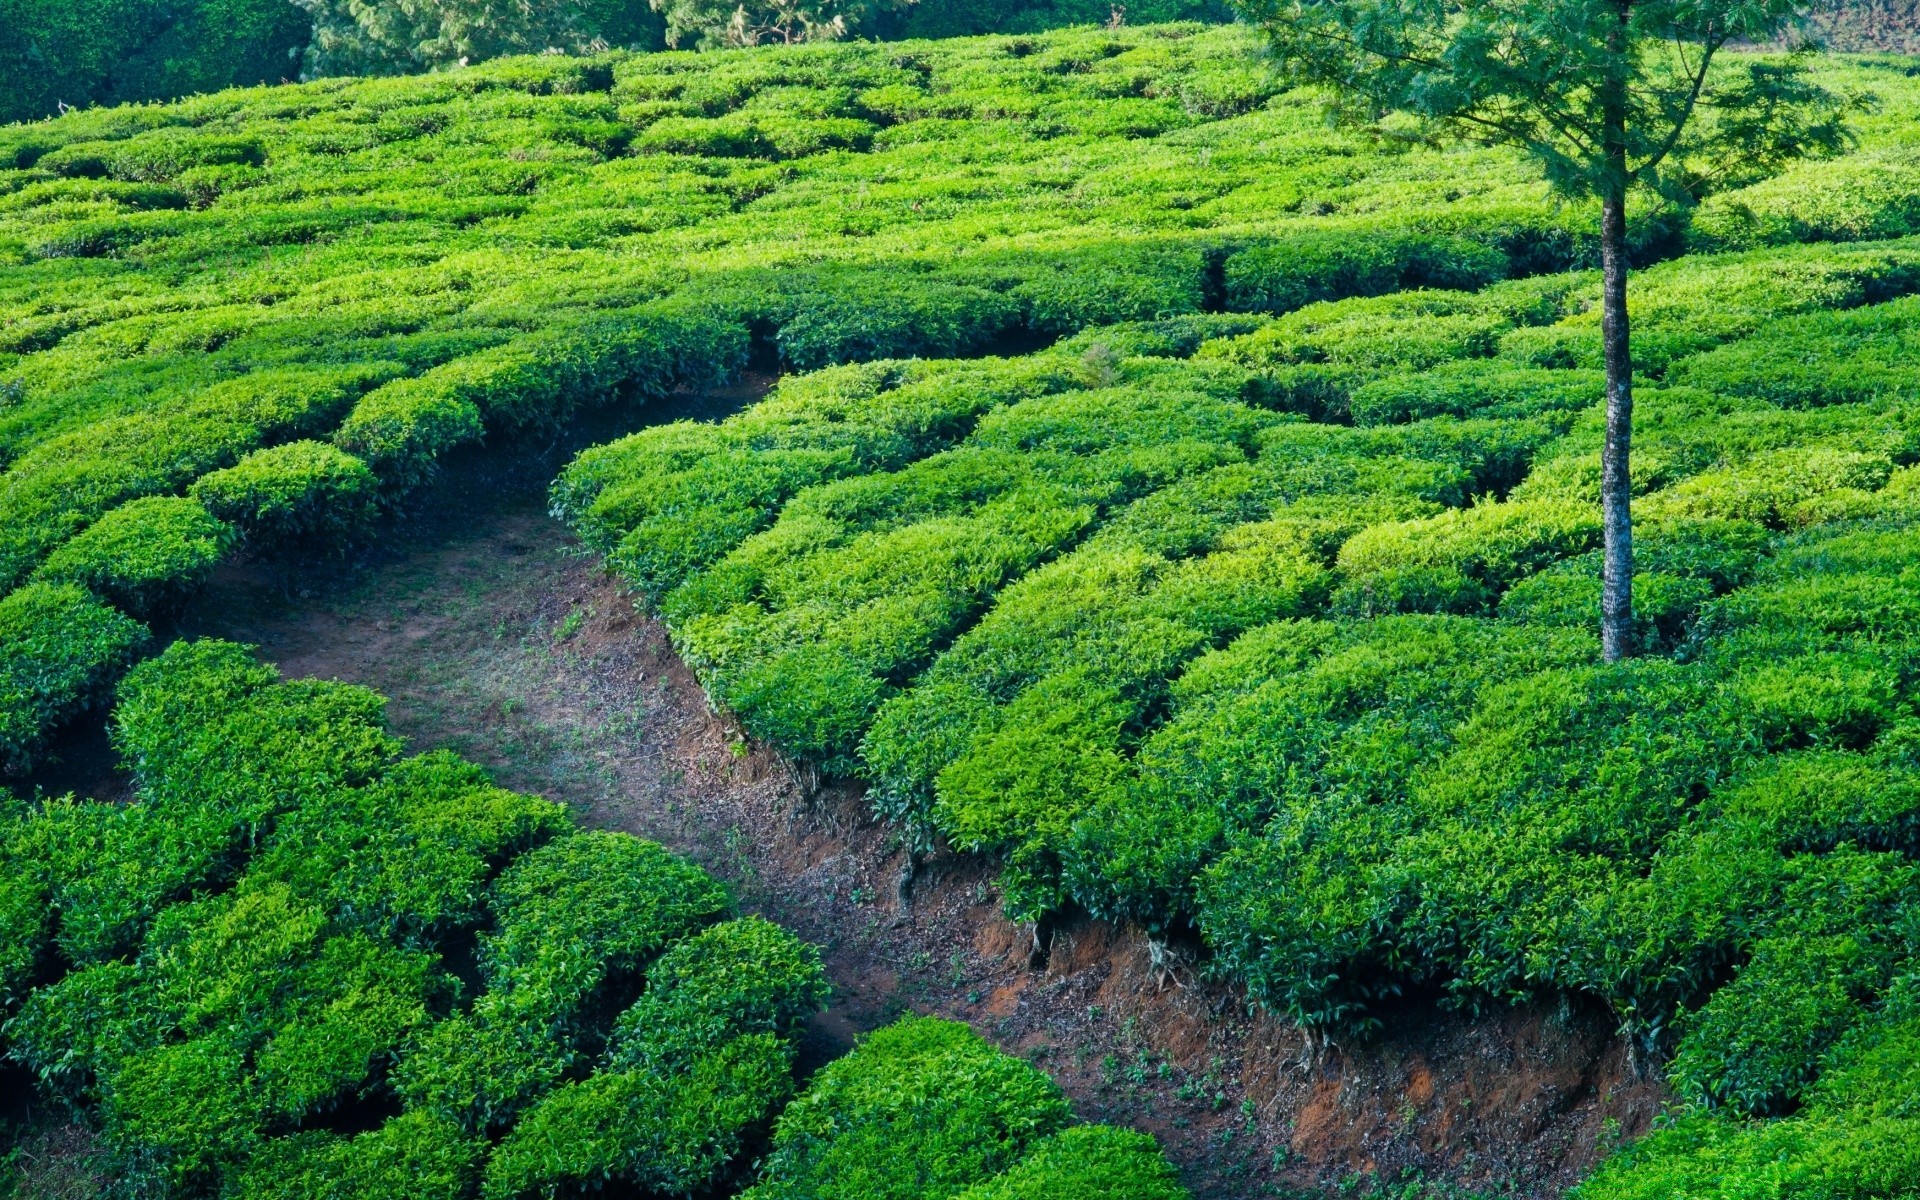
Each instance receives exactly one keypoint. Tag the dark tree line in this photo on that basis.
(74, 53)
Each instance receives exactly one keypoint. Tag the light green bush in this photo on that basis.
(146, 556)
(1459, 561)
(1097, 1162)
(922, 1108)
(300, 490)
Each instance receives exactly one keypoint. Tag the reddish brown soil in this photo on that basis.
(494, 635)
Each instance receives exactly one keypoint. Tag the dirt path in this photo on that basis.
(495, 636)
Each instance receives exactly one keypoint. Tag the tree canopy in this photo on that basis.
(1554, 77)
(1607, 96)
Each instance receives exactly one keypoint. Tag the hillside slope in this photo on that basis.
(1187, 503)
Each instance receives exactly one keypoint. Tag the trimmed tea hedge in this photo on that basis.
(1302, 662)
(251, 978)
(195, 298)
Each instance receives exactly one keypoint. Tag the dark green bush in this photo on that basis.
(219, 751)
(1333, 266)
(410, 854)
(1848, 921)
(1856, 1136)
(403, 429)
(478, 1071)
(258, 944)
(120, 51)
(586, 908)
(666, 1133)
(60, 650)
(414, 1154)
(67, 482)
(740, 977)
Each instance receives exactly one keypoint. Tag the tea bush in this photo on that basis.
(1320, 702)
(300, 490)
(922, 1108)
(250, 977)
(1097, 1162)
(60, 650)
(1178, 498)
(145, 556)
(399, 268)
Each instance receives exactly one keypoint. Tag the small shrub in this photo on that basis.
(60, 650)
(296, 491)
(673, 1133)
(923, 1108)
(1333, 266)
(146, 556)
(1088, 1162)
(740, 977)
(582, 909)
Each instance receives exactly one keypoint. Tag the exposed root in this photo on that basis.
(903, 887)
(1042, 948)
(1165, 962)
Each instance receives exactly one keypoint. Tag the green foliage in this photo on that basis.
(402, 268)
(738, 978)
(672, 1133)
(286, 493)
(1267, 628)
(1604, 96)
(219, 1000)
(67, 482)
(116, 51)
(1848, 922)
(1460, 560)
(581, 909)
(59, 652)
(952, 18)
(1334, 266)
(1473, 390)
(709, 25)
(145, 556)
(922, 1108)
(414, 1153)
(387, 39)
(410, 855)
(1855, 1137)
(1097, 1162)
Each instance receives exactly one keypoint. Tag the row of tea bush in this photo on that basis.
(391, 269)
(299, 965)
(1276, 637)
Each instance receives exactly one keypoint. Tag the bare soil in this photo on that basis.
(496, 636)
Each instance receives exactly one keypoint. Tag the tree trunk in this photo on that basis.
(1616, 485)
(1616, 482)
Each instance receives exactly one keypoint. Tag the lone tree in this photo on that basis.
(1608, 96)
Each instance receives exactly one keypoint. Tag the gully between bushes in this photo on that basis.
(495, 636)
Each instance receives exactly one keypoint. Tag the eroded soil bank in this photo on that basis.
(495, 636)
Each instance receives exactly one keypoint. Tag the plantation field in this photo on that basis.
(1185, 502)
(1325, 692)
(544, 1007)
